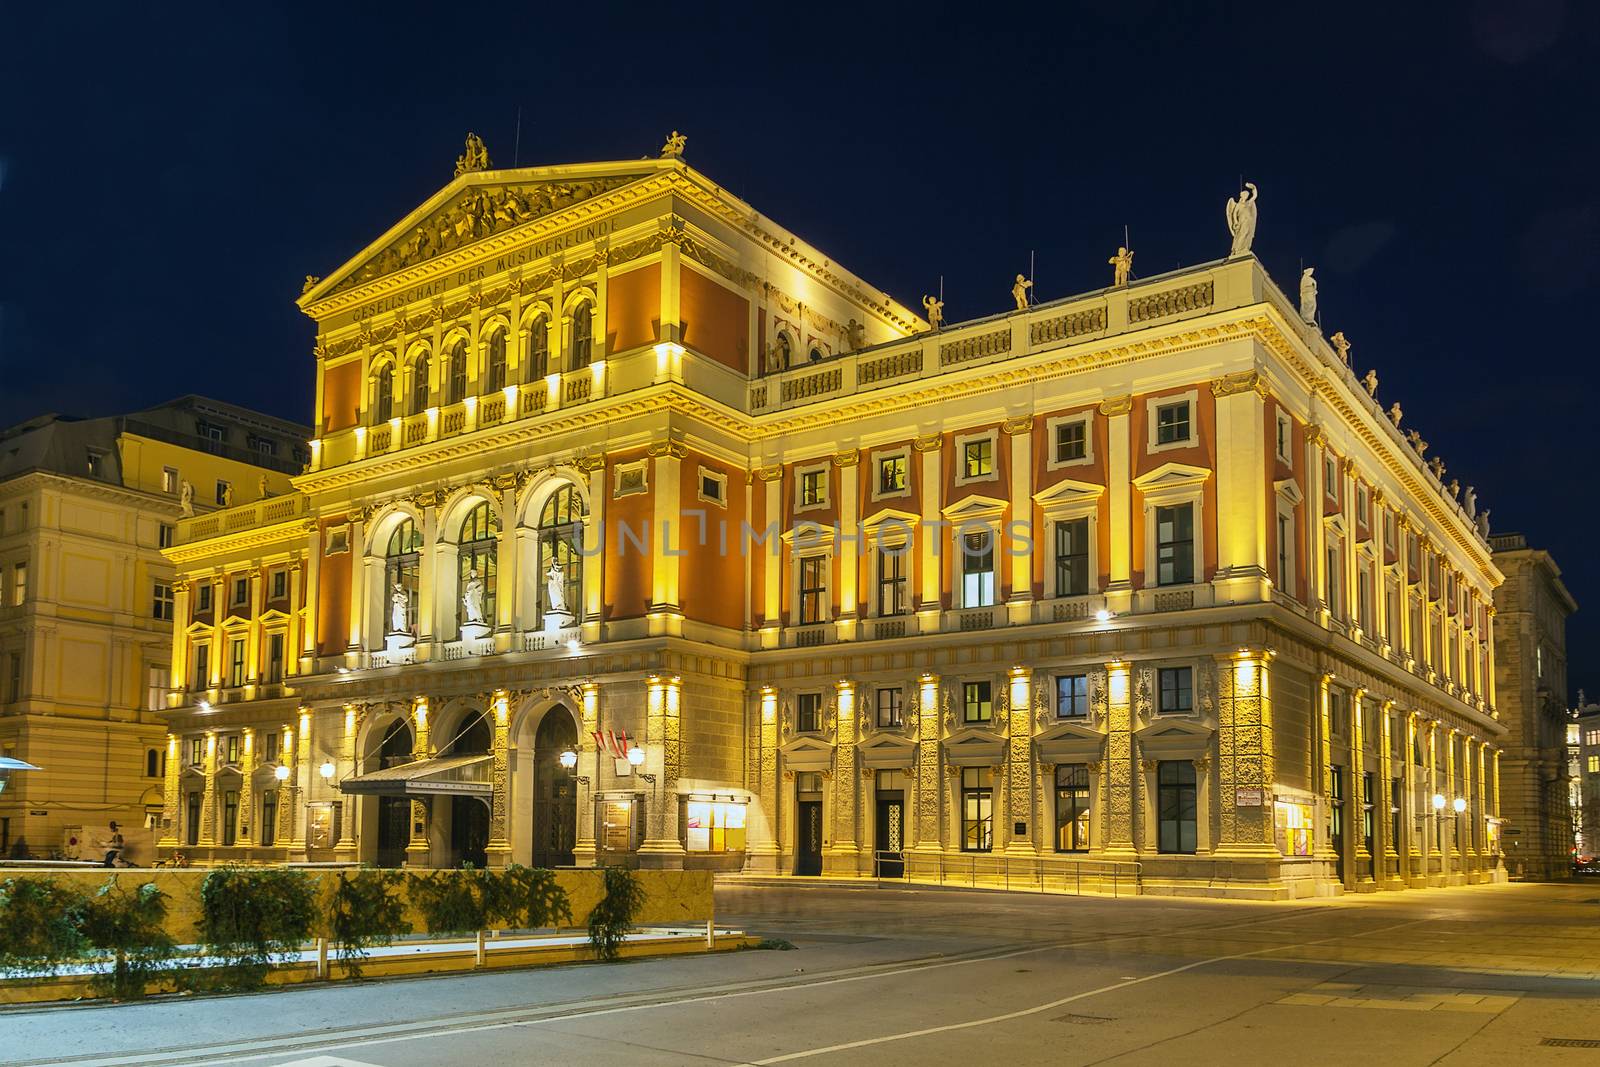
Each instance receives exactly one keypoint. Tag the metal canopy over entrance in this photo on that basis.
(444, 776)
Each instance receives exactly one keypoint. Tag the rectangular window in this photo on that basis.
(977, 570)
(230, 816)
(1285, 532)
(280, 584)
(192, 820)
(1072, 441)
(977, 458)
(713, 826)
(1172, 423)
(161, 601)
(813, 487)
(233, 748)
(813, 588)
(202, 666)
(1177, 690)
(1175, 803)
(202, 598)
(269, 747)
(891, 474)
(890, 707)
(1368, 784)
(1175, 545)
(1072, 696)
(977, 809)
(224, 493)
(808, 713)
(268, 832)
(1072, 807)
(235, 663)
(892, 598)
(275, 658)
(1284, 437)
(1594, 764)
(197, 750)
(19, 584)
(164, 535)
(1335, 564)
(13, 677)
(1072, 557)
(1364, 596)
(976, 701)
(241, 591)
(711, 488)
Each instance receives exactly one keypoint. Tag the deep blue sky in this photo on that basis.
(168, 175)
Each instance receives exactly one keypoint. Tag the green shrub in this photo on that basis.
(129, 928)
(453, 902)
(367, 911)
(613, 917)
(251, 918)
(39, 926)
(527, 897)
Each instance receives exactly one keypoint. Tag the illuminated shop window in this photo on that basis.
(714, 826)
(1292, 820)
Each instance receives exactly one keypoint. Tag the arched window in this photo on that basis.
(495, 379)
(419, 383)
(582, 334)
(152, 763)
(473, 737)
(538, 349)
(458, 373)
(477, 553)
(383, 396)
(401, 571)
(815, 355)
(560, 538)
(395, 749)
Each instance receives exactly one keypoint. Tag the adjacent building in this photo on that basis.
(1531, 610)
(637, 530)
(87, 602)
(1583, 771)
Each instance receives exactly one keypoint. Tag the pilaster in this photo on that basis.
(1246, 754)
(1119, 495)
(1119, 770)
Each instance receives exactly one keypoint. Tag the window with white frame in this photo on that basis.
(19, 584)
(1070, 444)
(1285, 439)
(893, 566)
(812, 486)
(1072, 696)
(1175, 690)
(169, 480)
(202, 666)
(975, 459)
(161, 602)
(236, 650)
(164, 534)
(1330, 477)
(893, 475)
(977, 568)
(713, 487)
(202, 598)
(1335, 574)
(1175, 544)
(813, 589)
(808, 713)
(1286, 552)
(1072, 556)
(1174, 423)
(977, 701)
(891, 708)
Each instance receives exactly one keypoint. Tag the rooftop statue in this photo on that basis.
(186, 498)
(311, 283)
(1470, 502)
(476, 157)
(1417, 442)
(1341, 345)
(1395, 414)
(673, 149)
(1242, 220)
(1371, 382)
(1308, 296)
(1455, 487)
(1019, 292)
(1121, 266)
(935, 309)
(1483, 524)
(855, 335)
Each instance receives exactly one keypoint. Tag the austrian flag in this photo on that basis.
(612, 741)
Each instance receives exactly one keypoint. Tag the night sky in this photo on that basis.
(168, 177)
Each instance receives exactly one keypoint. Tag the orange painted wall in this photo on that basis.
(628, 570)
(1201, 454)
(716, 320)
(1093, 472)
(998, 488)
(341, 396)
(633, 308)
(333, 599)
(1277, 471)
(756, 558)
(711, 581)
(866, 507)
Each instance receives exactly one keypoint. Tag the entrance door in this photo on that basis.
(394, 830)
(555, 798)
(808, 847)
(889, 841)
(1336, 818)
(469, 831)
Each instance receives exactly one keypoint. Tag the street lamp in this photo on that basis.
(1438, 801)
(636, 757)
(327, 770)
(281, 772)
(569, 759)
(1460, 804)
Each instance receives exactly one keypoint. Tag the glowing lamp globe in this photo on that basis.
(569, 759)
(636, 756)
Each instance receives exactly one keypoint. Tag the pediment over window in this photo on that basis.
(198, 629)
(974, 507)
(888, 752)
(1068, 492)
(1069, 729)
(807, 754)
(1288, 490)
(1171, 476)
(1172, 738)
(974, 747)
(897, 519)
(1076, 746)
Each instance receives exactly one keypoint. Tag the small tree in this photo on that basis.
(129, 927)
(527, 897)
(38, 926)
(366, 912)
(613, 917)
(453, 902)
(251, 918)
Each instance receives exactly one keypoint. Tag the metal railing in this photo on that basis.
(985, 870)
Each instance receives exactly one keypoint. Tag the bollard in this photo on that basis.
(322, 957)
(711, 933)
(481, 956)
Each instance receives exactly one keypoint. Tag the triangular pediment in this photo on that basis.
(891, 515)
(974, 506)
(1069, 491)
(475, 206)
(807, 754)
(974, 747)
(1076, 729)
(1171, 474)
(1174, 737)
(884, 750)
(1288, 490)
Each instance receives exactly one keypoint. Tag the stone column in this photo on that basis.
(661, 847)
(508, 559)
(300, 789)
(1245, 762)
(417, 851)
(498, 852)
(763, 846)
(927, 785)
(292, 639)
(358, 599)
(170, 794)
(427, 568)
(584, 848)
(1383, 841)
(1358, 799)
(594, 540)
(208, 804)
(1413, 862)
(1119, 491)
(1435, 845)
(1316, 506)
(179, 672)
(772, 561)
(1119, 766)
(667, 538)
(252, 654)
(247, 811)
(1019, 603)
(1322, 768)
(1019, 767)
(844, 852)
(345, 848)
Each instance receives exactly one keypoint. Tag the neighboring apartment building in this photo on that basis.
(1140, 582)
(1583, 769)
(86, 506)
(1531, 610)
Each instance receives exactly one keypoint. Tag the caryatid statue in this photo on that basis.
(1242, 220)
(935, 309)
(1121, 267)
(1019, 292)
(399, 610)
(472, 597)
(186, 498)
(1308, 296)
(555, 584)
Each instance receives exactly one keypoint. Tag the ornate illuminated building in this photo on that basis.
(610, 465)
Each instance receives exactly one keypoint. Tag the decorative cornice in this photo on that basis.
(667, 448)
(847, 458)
